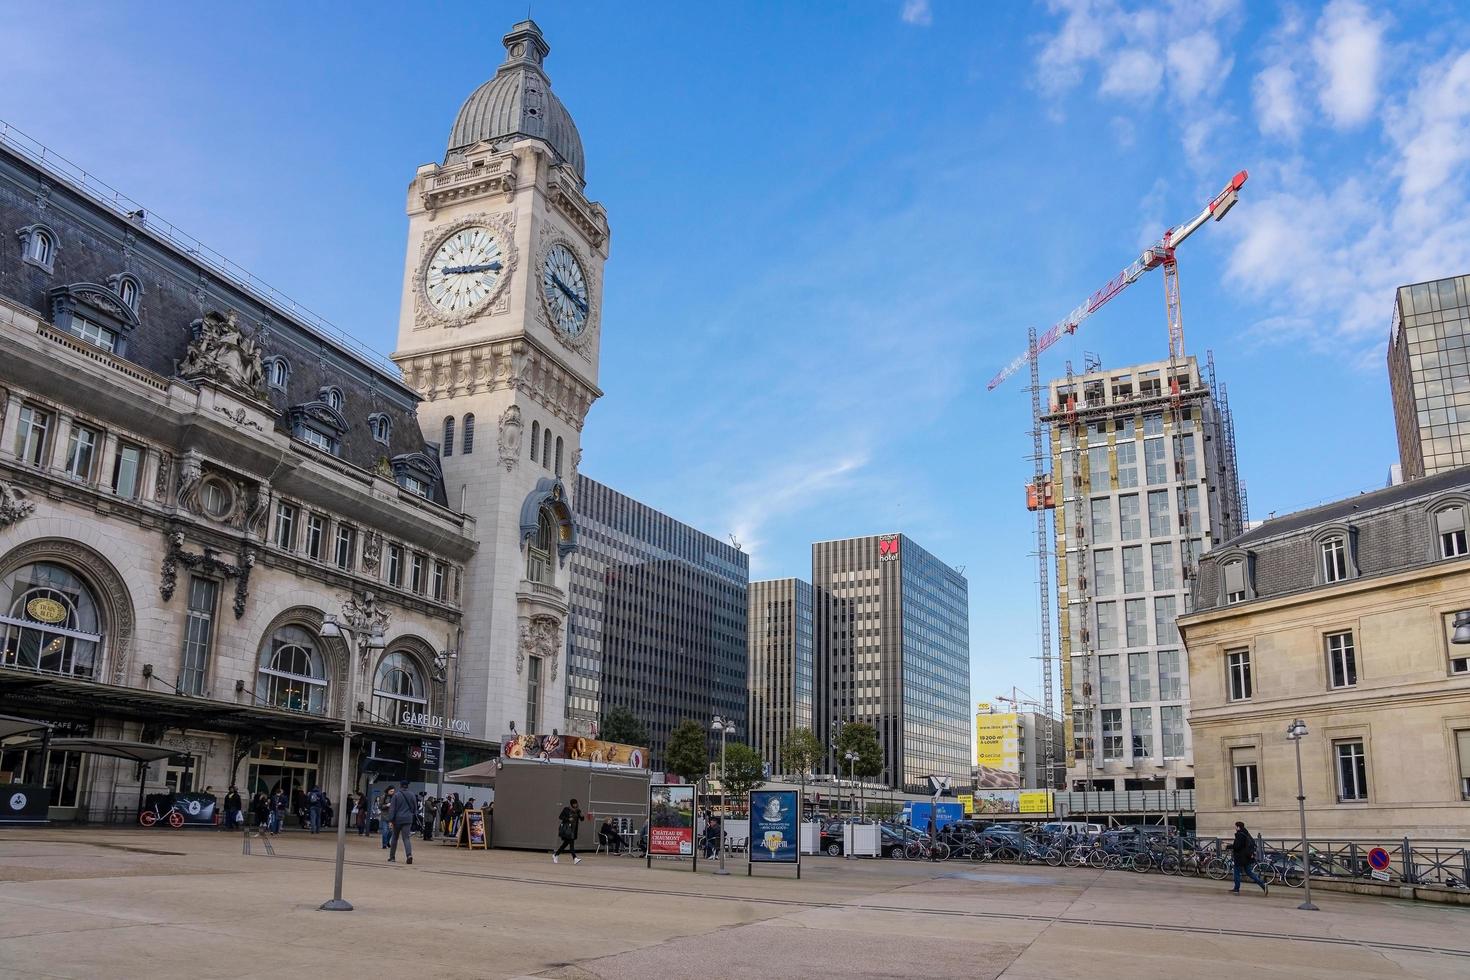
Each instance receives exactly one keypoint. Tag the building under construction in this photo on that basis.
(1144, 482)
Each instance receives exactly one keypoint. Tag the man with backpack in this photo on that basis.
(1243, 850)
(400, 813)
(314, 809)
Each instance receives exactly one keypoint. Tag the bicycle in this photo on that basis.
(153, 814)
(923, 849)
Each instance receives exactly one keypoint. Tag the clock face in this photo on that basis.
(565, 288)
(464, 271)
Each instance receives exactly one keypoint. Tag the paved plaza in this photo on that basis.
(84, 903)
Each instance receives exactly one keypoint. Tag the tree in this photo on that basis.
(801, 752)
(687, 754)
(855, 736)
(743, 771)
(622, 726)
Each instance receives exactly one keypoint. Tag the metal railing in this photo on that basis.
(1427, 862)
(131, 211)
(1070, 804)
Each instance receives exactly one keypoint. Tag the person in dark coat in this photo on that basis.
(568, 823)
(232, 809)
(400, 813)
(1243, 850)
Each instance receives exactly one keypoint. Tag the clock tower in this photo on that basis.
(499, 331)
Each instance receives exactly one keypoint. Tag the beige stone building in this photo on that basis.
(1339, 616)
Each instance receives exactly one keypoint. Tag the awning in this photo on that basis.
(480, 774)
(10, 725)
(115, 747)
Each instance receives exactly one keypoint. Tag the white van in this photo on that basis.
(1074, 828)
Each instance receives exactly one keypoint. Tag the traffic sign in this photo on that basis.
(1378, 859)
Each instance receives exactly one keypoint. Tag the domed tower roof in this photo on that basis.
(518, 102)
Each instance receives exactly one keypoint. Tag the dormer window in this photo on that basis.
(332, 398)
(380, 426)
(1449, 528)
(93, 314)
(414, 485)
(1336, 547)
(1235, 581)
(277, 372)
(128, 289)
(417, 473)
(38, 247)
(318, 424)
(317, 438)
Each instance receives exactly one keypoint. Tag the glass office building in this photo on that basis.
(657, 622)
(780, 682)
(892, 650)
(1429, 375)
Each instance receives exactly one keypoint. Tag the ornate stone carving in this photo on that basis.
(362, 614)
(540, 637)
(160, 484)
(208, 563)
(519, 365)
(14, 505)
(191, 473)
(239, 417)
(372, 551)
(259, 510)
(426, 314)
(221, 352)
(572, 479)
(510, 437)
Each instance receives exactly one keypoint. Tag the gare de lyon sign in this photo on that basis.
(415, 719)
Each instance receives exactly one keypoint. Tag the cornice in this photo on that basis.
(517, 363)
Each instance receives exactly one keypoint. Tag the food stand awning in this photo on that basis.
(480, 774)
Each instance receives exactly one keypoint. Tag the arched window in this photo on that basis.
(49, 621)
(535, 438)
(1334, 559)
(448, 448)
(1449, 529)
(398, 687)
(127, 291)
(292, 673)
(546, 450)
(469, 433)
(381, 427)
(277, 372)
(43, 247)
(540, 548)
(333, 398)
(558, 457)
(1236, 581)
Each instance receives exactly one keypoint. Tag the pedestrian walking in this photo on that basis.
(314, 803)
(568, 823)
(232, 809)
(1243, 850)
(385, 804)
(401, 809)
(278, 810)
(260, 807)
(360, 815)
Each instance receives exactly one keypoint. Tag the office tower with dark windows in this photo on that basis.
(892, 628)
(1429, 374)
(657, 619)
(779, 630)
(1144, 482)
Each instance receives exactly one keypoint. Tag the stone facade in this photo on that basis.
(189, 473)
(1341, 617)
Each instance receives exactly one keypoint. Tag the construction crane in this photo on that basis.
(1161, 253)
(1040, 493)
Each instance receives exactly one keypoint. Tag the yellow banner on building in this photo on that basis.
(967, 800)
(997, 741)
(1035, 801)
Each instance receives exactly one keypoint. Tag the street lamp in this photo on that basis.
(724, 728)
(852, 758)
(363, 623)
(441, 677)
(1295, 732)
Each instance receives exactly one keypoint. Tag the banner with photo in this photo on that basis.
(997, 801)
(671, 820)
(774, 827)
(573, 747)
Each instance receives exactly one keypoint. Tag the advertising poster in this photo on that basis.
(998, 750)
(774, 833)
(573, 747)
(997, 801)
(967, 800)
(1035, 801)
(671, 820)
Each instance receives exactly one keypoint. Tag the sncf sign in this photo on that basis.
(888, 549)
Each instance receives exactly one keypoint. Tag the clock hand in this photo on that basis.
(569, 294)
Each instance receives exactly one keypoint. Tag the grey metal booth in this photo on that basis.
(529, 795)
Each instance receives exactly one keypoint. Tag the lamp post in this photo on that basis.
(362, 624)
(441, 677)
(852, 758)
(724, 728)
(1295, 732)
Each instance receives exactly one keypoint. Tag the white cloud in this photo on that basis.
(1132, 73)
(1081, 39)
(1197, 66)
(1348, 51)
(1274, 94)
(779, 492)
(917, 12)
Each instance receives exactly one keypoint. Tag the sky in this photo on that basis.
(832, 224)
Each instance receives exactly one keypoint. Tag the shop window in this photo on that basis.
(50, 620)
(292, 673)
(398, 688)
